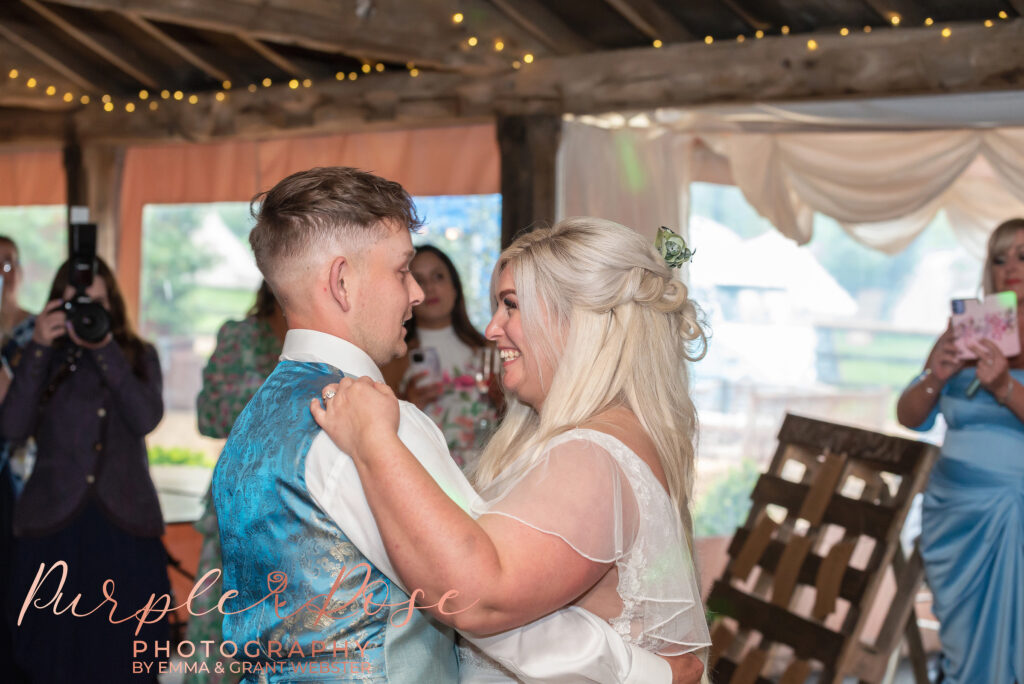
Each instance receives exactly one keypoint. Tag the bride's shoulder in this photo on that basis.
(623, 425)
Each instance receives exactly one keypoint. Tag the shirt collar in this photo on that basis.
(313, 346)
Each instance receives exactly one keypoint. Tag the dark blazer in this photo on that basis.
(90, 429)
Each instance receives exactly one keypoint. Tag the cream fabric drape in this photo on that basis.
(884, 187)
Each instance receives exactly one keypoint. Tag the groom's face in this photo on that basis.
(384, 293)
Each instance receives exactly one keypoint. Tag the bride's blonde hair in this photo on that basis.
(617, 326)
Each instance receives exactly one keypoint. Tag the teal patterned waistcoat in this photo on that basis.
(270, 528)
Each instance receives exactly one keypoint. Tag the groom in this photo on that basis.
(317, 597)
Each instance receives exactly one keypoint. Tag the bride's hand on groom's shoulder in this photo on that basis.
(354, 412)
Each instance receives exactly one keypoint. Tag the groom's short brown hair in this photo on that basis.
(314, 209)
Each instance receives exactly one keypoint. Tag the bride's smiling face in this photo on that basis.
(525, 372)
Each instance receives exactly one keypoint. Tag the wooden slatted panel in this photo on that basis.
(882, 452)
(858, 517)
(853, 583)
(808, 639)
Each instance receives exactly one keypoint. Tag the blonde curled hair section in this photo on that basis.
(619, 328)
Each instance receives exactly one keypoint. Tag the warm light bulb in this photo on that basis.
(220, 97)
(895, 19)
(307, 82)
(708, 40)
(812, 44)
(129, 107)
(143, 94)
(657, 43)
(947, 32)
(105, 99)
(517, 64)
(528, 58)
(193, 99)
(252, 88)
(178, 95)
(785, 30)
(499, 45)
(844, 31)
(367, 68)
(414, 72)
(68, 97)
(226, 85)
(759, 34)
(867, 29)
(84, 99)
(352, 75)
(51, 90)
(13, 73)
(164, 94)
(989, 23)
(31, 83)
(293, 84)
(457, 18)
(741, 38)
(929, 21)
(1003, 14)
(267, 82)
(339, 76)
(472, 41)
(379, 66)
(108, 106)
(154, 105)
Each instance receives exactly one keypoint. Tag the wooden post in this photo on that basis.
(529, 146)
(74, 175)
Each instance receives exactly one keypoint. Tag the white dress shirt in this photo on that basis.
(570, 645)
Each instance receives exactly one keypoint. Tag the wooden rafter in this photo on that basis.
(910, 12)
(49, 52)
(1018, 5)
(651, 19)
(544, 25)
(274, 57)
(329, 30)
(107, 52)
(744, 14)
(176, 47)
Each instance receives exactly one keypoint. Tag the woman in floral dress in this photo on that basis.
(463, 402)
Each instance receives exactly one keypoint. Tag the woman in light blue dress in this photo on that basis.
(972, 538)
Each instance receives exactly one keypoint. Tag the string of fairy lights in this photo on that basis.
(145, 99)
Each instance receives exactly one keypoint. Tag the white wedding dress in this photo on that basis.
(598, 496)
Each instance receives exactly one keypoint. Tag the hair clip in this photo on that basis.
(672, 247)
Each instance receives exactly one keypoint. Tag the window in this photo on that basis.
(41, 235)
(832, 330)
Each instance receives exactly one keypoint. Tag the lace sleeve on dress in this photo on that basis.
(575, 491)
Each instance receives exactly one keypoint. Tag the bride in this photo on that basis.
(586, 483)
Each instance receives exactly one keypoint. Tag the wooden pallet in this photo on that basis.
(805, 568)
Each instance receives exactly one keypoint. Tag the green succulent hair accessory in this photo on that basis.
(672, 247)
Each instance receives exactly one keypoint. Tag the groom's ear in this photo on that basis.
(341, 269)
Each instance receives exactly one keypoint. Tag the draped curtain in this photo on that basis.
(883, 186)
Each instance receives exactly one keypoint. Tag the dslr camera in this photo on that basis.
(88, 318)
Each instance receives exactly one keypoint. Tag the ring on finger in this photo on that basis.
(329, 394)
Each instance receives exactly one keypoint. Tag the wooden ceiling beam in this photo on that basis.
(176, 47)
(277, 59)
(910, 12)
(50, 52)
(651, 20)
(107, 52)
(334, 29)
(544, 25)
(1018, 5)
(742, 12)
(912, 61)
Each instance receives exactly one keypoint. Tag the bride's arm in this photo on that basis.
(506, 573)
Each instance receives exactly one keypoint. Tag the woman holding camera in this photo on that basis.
(90, 501)
(972, 526)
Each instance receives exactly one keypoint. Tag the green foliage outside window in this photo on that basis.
(724, 505)
(41, 235)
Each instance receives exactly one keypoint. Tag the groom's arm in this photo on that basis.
(570, 645)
